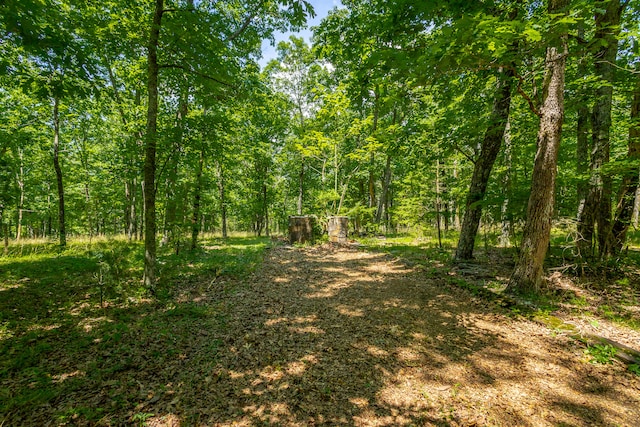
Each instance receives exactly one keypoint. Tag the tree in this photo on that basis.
(537, 230)
(629, 186)
(484, 164)
(236, 40)
(597, 206)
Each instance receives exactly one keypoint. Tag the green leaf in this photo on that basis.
(532, 35)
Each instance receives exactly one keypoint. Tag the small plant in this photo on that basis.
(141, 418)
(602, 354)
(579, 301)
(635, 368)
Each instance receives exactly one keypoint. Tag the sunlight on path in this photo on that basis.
(326, 336)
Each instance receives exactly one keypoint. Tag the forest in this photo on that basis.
(486, 154)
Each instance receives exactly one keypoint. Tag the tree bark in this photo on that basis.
(56, 165)
(195, 219)
(385, 190)
(635, 217)
(20, 179)
(151, 138)
(169, 231)
(484, 164)
(265, 205)
(128, 211)
(372, 157)
(537, 230)
(438, 221)
(506, 226)
(597, 207)
(629, 187)
(222, 196)
(585, 227)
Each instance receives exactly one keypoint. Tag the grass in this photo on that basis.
(78, 331)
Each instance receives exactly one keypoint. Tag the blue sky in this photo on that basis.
(321, 8)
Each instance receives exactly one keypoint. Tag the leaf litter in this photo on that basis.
(330, 335)
(336, 336)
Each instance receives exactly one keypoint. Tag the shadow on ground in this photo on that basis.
(318, 336)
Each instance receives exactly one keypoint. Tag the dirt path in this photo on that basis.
(325, 336)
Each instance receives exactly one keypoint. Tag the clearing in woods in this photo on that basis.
(318, 335)
(335, 336)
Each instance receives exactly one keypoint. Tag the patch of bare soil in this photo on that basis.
(337, 336)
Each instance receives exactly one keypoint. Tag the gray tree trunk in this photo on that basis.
(385, 190)
(597, 208)
(484, 164)
(169, 232)
(506, 227)
(629, 188)
(222, 196)
(20, 180)
(151, 139)
(195, 219)
(62, 232)
(527, 275)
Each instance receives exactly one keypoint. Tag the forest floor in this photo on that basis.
(321, 335)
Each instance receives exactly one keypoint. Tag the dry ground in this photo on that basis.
(337, 336)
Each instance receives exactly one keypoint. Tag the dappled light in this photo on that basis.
(402, 213)
(316, 335)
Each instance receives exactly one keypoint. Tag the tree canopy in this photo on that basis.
(155, 119)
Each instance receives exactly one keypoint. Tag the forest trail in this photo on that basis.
(338, 336)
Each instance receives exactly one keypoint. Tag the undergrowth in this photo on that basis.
(78, 321)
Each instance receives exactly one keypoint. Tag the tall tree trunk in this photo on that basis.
(372, 159)
(607, 28)
(265, 204)
(484, 164)
(151, 139)
(133, 208)
(49, 216)
(130, 208)
(629, 187)
(56, 165)
(169, 231)
(506, 225)
(454, 202)
(371, 184)
(222, 196)
(170, 216)
(385, 190)
(20, 180)
(88, 210)
(586, 221)
(438, 222)
(635, 217)
(87, 203)
(195, 219)
(537, 230)
(598, 202)
(443, 191)
(127, 207)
